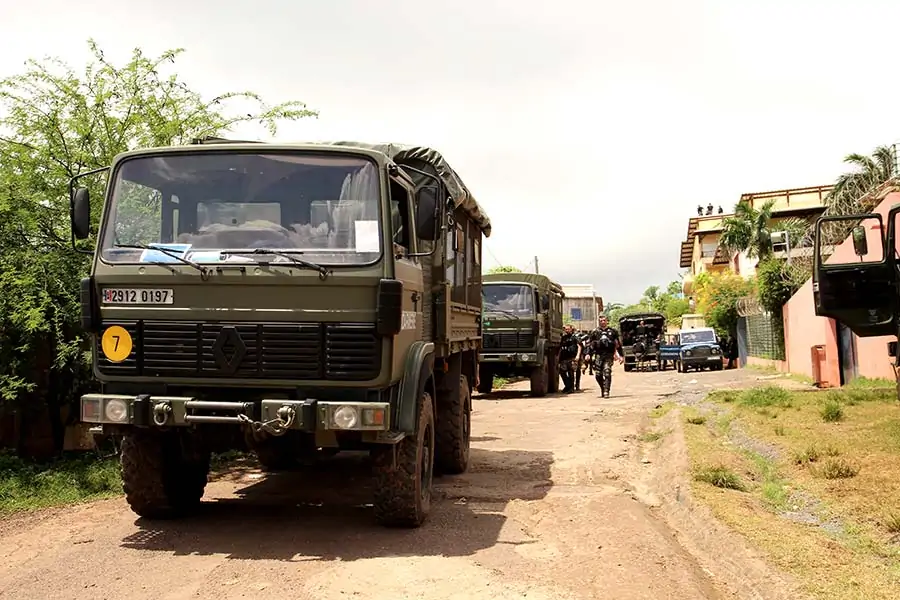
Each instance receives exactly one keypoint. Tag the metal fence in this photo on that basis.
(765, 337)
(760, 333)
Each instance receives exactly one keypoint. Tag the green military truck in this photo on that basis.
(297, 299)
(523, 324)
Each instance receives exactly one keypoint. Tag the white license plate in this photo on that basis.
(713, 358)
(137, 296)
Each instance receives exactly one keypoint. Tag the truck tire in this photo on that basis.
(162, 476)
(540, 379)
(452, 431)
(403, 491)
(629, 366)
(553, 374)
(485, 380)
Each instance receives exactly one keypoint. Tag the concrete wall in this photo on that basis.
(803, 329)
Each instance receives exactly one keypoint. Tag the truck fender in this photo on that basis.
(542, 350)
(417, 371)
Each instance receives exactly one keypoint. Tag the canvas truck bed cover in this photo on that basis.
(430, 161)
(542, 282)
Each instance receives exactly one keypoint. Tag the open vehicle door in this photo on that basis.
(857, 285)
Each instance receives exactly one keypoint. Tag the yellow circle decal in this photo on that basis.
(116, 344)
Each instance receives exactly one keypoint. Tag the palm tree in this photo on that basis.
(749, 229)
(848, 195)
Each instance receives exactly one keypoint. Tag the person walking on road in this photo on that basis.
(605, 347)
(569, 354)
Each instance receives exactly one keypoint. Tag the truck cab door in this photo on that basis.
(854, 278)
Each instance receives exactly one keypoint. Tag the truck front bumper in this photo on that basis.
(510, 358)
(177, 411)
(697, 361)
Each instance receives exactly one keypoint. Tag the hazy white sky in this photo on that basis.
(589, 131)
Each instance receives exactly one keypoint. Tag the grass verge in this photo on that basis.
(810, 477)
(70, 479)
(73, 478)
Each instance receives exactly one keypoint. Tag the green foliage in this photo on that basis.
(776, 282)
(670, 302)
(27, 486)
(56, 124)
(504, 269)
(748, 229)
(717, 295)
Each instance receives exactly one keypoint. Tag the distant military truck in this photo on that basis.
(523, 325)
(641, 346)
(298, 300)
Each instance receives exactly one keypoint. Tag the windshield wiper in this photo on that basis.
(204, 272)
(507, 313)
(323, 272)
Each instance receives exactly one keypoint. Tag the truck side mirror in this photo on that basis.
(545, 302)
(427, 216)
(81, 213)
(860, 243)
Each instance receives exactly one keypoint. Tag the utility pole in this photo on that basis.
(536, 270)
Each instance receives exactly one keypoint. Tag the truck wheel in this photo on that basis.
(553, 374)
(164, 474)
(485, 381)
(403, 492)
(540, 379)
(629, 366)
(454, 424)
(276, 454)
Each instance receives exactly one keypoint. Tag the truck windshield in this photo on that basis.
(693, 337)
(325, 207)
(508, 299)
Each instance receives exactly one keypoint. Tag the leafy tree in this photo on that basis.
(717, 295)
(504, 269)
(57, 123)
(749, 229)
(670, 302)
(852, 194)
(848, 195)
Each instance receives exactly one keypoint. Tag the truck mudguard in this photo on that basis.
(416, 372)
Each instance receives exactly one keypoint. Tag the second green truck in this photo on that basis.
(522, 328)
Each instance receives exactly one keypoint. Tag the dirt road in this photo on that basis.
(555, 505)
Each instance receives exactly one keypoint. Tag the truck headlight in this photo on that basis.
(687, 352)
(346, 417)
(116, 411)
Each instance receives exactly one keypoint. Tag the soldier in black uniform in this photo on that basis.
(605, 347)
(578, 363)
(569, 353)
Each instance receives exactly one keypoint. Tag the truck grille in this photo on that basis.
(508, 339)
(298, 351)
(701, 351)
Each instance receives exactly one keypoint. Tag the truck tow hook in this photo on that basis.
(274, 427)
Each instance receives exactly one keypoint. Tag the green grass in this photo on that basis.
(71, 479)
(832, 411)
(74, 478)
(652, 436)
(866, 383)
(772, 484)
(720, 477)
(764, 397)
